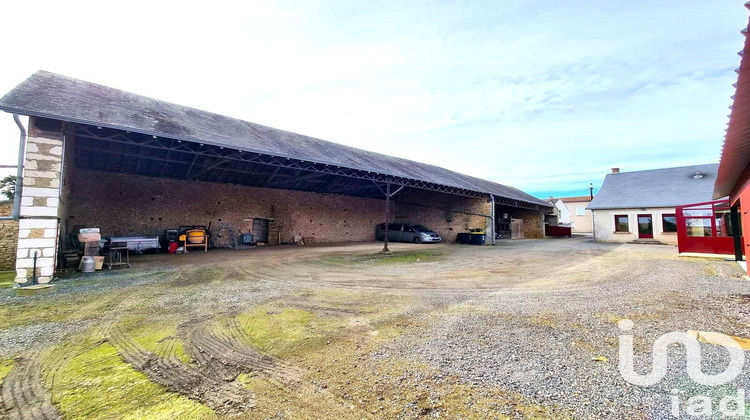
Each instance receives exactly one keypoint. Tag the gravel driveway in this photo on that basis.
(524, 329)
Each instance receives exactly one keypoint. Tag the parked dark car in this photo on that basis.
(407, 232)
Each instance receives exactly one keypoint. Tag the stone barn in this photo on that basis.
(135, 166)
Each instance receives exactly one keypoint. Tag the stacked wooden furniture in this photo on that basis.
(90, 238)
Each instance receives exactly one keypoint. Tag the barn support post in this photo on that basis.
(387, 216)
(736, 234)
(388, 194)
(492, 222)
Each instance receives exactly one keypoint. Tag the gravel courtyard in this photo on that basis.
(524, 329)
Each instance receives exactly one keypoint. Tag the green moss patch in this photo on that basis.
(98, 384)
(279, 332)
(7, 279)
(161, 339)
(5, 366)
(398, 257)
(30, 312)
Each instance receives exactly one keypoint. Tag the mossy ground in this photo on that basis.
(282, 331)
(98, 384)
(7, 279)
(397, 257)
(158, 337)
(22, 313)
(5, 366)
(345, 382)
(329, 334)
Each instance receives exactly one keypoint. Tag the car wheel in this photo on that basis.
(417, 240)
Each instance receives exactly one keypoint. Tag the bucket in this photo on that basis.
(88, 265)
(98, 262)
(196, 236)
(172, 248)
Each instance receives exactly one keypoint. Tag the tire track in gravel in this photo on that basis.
(64, 353)
(221, 396)
(167, 348)
(24, 393)
(23, 396)
(226, 352)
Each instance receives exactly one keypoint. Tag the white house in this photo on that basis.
(561, 211)
(640, 206)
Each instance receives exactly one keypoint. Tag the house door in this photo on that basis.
(645, 226)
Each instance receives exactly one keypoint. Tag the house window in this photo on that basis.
(669, 223)
(580, 211)
(621, 223)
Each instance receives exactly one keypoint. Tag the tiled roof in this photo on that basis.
(579, 199)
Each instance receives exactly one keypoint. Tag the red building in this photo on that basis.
(733, 179)
(709, 228)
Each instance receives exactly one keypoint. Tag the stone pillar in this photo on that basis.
(38, 228)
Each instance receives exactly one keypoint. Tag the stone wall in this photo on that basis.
(533, 224)
(446, 214)
(8, 237)
(124, 205)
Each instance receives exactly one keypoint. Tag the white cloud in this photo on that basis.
(543, 96)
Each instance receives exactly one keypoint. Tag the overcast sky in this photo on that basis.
(545, 96)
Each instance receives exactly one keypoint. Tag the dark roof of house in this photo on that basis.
(735, 154)
(50, 95)
(668, 187)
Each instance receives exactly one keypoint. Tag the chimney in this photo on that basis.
(615, 170)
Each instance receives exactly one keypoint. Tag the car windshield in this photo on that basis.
(420, 228)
